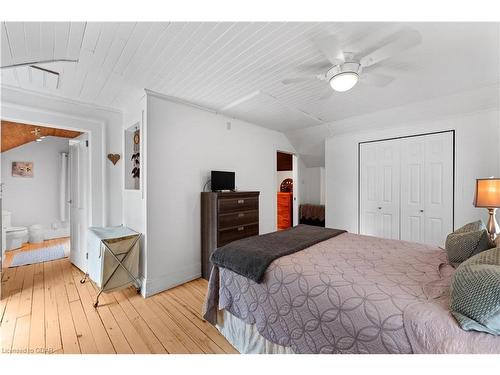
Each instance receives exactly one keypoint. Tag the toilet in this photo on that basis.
(15, 237)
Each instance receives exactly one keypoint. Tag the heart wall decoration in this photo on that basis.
(114, 158)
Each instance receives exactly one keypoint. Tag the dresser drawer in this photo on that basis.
(238, 204)
(237, 233)
(237, 218)
(284, 199)
(284, 222)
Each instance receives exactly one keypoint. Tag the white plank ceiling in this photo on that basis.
(217, 65)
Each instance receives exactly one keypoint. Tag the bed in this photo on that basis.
(312, 214)
(347, 294)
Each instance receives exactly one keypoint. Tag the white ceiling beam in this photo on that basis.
(240, 101)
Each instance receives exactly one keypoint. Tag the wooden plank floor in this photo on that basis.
(45, 309)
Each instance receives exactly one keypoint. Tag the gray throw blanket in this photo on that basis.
(251, 256)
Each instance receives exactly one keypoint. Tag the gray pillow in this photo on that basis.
(470, 227)
(475, 293)
(467, 241)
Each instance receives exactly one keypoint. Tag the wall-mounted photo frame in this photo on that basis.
(22, 169)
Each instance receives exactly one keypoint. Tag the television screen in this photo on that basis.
(222, 180)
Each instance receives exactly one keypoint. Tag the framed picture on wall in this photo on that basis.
(22, 169)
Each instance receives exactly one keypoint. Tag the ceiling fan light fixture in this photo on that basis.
(344, 81)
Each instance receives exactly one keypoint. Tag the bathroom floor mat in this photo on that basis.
(44, 254)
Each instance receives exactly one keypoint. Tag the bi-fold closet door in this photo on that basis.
(380, 169)
(406, 188)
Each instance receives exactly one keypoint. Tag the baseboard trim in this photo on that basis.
(165, 282)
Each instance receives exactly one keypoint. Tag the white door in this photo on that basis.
(369, 190)
(412, 189)
(427, 188)
(389, 180)
(79, 199)
(379, 200)
(438, 188)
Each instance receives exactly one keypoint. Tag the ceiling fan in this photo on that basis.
(345, 69)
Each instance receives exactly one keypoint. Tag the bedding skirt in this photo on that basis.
(245, 337)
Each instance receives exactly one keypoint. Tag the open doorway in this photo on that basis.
(286, 190)
(45, 198)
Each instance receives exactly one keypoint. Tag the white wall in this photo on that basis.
(183, 145)
(35, 200)
(313, 185)
(477, 148)
(134, 201)
(113, 173)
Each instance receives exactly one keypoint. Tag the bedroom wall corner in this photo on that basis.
(313, 185)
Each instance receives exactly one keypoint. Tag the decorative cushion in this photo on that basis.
(475, 293)
(467, 241)
(470, 227)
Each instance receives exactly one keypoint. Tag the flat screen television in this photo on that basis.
(222, 180)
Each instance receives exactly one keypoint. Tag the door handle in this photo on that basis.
(379, 208)
(421, 210)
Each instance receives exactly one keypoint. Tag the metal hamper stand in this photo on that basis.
(120, 264)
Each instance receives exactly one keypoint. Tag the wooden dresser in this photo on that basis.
(226, 217)
(285, 206)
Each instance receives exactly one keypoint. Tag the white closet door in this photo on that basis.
(389, 180)
(427, 188)
(369, 190)
(406, 188)
(438, 188)
(380, 166)
(412, 189)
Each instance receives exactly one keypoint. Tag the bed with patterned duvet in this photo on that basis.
(347, 294)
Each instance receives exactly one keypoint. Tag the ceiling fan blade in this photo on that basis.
(395, 44)
(288, 81)
(327, 95)
(330, 47)
(376, 79)
(314, 68)
(34, 62)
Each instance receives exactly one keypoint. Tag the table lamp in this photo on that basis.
(488, 196)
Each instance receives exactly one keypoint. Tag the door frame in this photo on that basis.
(65, 118)
(83, 139)
(90, 165)
(452, 131)
(296, 192)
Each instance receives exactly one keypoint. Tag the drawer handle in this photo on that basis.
(241, 215)
(241, 201)
(240, 228)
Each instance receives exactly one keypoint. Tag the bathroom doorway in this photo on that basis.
(286, 190)
(45, 193)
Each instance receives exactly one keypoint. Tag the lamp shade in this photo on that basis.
(487, 193)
